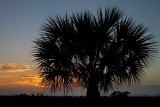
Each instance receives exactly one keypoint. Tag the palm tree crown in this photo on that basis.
(98, 52)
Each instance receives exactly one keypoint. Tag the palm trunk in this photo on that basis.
(92, 89)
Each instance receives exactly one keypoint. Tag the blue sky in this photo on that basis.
(20, 22)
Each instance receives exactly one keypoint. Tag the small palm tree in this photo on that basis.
(98, 52)
(120, 94)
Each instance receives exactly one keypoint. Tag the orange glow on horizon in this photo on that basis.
(30, 80)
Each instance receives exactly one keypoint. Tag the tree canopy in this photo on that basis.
(96, 51)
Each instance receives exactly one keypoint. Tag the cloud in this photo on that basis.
(29, 80)
(28, 76)
(14, 68)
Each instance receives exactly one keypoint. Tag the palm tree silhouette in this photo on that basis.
(96, 51)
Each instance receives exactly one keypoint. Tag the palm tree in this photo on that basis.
(120, 94)
(96, 51)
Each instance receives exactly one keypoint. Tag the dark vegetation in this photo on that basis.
(77, 101)
(116, 98)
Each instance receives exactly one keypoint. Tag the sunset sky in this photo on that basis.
(20, 23)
